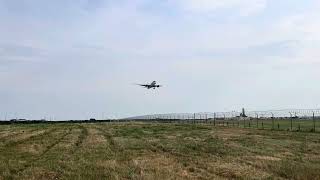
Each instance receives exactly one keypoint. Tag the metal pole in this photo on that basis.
(206, 118)
(314, 122)
(291, 120)
(194, 118)
(272, 121)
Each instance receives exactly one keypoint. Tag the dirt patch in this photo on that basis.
(153, 140)
(41, 174)
(112, 164)
(158, 166)
(192, 139)
(23, 138)
(314, 158)
(6, 133)
(95, 137)
(14, 134)
(39, 145)
(69, 141)
(268, 158)
(34, 149)
(235, 170)
(285, 154)
(171, 137)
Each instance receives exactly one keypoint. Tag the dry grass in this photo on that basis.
(156, 151)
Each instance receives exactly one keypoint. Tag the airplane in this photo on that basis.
(153, 85)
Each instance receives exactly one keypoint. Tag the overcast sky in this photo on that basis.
(74, 59)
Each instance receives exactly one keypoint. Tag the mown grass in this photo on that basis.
(306, 125)
(155, 151)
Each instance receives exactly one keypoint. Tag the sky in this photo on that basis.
(77, 59)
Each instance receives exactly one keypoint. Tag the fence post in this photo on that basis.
(272, 121)
(291, 120)
(206, 118)
(214, 119)
(314, 122)
(257, 116)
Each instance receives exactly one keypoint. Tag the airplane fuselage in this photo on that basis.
(152, 85)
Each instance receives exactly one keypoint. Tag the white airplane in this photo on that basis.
(153, 85)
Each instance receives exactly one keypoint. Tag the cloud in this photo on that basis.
(242, 7)
(229, 53)
(16, 50)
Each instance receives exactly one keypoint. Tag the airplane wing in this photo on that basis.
(143, 85)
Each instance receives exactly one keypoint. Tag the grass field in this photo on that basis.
(155, 151)
(307, 125)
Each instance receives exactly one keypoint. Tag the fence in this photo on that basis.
(290, 119)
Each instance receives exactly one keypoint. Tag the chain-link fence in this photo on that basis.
(290, 119)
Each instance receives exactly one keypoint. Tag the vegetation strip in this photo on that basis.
(48, 148)
(82, 136)
(9, 136)
(108, 136)
(32, 137)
